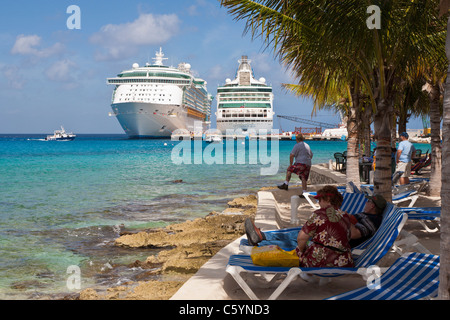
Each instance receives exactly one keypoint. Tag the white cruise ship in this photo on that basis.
(154, 100)
(244, 103)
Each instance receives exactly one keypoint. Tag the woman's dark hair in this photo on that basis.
(332, 195)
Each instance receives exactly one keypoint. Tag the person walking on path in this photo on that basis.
(405, 152)
(302, 154)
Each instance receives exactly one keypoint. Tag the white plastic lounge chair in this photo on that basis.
(418, 185)
(405, 194)
(422, 214)
(413, 276)
(371, 252)
(411, 196)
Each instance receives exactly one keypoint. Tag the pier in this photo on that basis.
(281, 136)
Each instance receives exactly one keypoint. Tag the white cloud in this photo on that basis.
(61, 71)
(122, 40)
(12, 74)
(31, 45)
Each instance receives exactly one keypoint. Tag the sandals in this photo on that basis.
(254, 234)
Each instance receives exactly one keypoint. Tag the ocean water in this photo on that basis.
(62, 204)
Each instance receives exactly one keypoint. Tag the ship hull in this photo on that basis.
(151, 120)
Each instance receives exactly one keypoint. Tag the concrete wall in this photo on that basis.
(321, 174)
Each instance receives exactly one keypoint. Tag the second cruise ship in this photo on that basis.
(244, 103)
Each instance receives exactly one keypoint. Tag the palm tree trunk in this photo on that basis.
(365, 120)
(436, 149)
(444, 272)
(382, 125)
(402, 122)
(352, 172)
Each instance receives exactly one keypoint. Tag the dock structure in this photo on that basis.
(190, 136)
(336, 134)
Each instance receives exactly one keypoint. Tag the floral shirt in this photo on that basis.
(329, 232)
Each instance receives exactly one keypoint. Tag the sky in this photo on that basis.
(52, 74)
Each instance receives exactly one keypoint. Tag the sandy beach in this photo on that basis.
(192, 245)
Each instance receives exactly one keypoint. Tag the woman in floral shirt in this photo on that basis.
(324, 239)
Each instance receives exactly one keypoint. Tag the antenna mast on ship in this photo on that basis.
(159, 58)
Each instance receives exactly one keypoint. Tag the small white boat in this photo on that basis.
(213, 138)
(61, 135)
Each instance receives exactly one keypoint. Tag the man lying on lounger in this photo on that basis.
(364, 226)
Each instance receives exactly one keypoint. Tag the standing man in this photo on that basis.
(405, 152)
(303, 155)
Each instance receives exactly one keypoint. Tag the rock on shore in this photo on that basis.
(185, 248)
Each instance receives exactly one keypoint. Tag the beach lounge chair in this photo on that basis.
(424, 162)
(396, 176)
(413, 276)
(406, 193)
(309, 196)
(422, 214)
(353, 203)
(366, 255)
(410, 196)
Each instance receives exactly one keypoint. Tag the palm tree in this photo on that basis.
(444, 273)
(433, 88)
(322, 41)
(325, 96)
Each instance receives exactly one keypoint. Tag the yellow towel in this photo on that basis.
(274, 256)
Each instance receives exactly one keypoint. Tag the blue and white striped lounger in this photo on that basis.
(371, 252)
(422, 214)
(353, 203)
(413, 276)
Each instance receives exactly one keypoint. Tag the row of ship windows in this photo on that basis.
(241, 115)
(244, 100)
(234, 111)
(145, 85)
(142, 99)
(144, 94)
(244, 120)
(145, 90)
(255, 94)
(121, 81)
(242, 96)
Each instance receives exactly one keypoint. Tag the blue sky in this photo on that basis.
(52, 76)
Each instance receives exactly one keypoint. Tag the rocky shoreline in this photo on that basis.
(185, 248)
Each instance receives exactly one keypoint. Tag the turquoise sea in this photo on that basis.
(62, 204)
